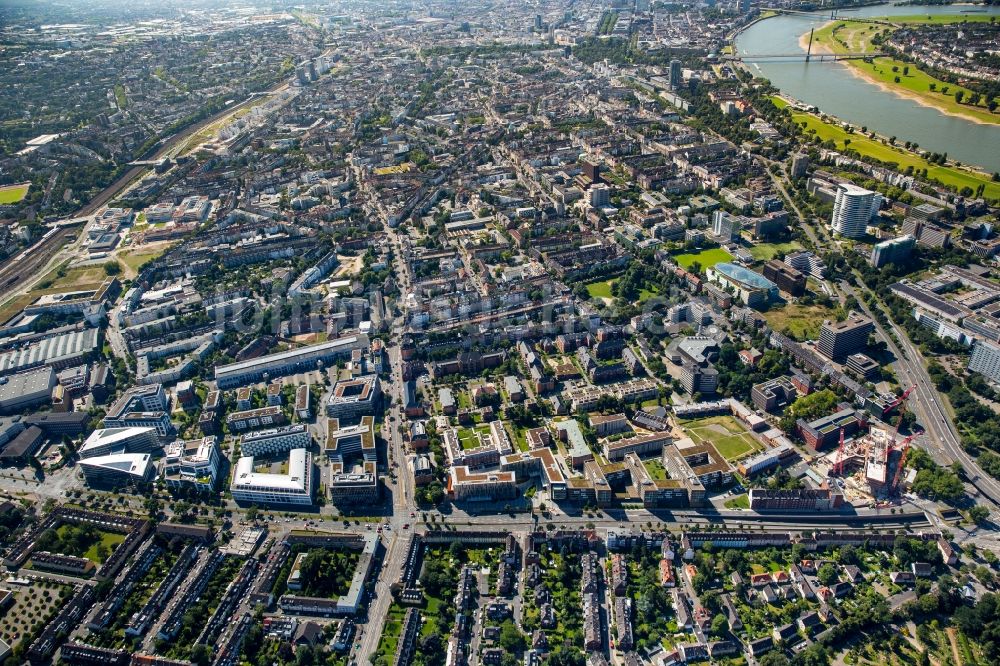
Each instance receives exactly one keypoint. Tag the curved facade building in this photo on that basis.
(752, 288)
(853, 209)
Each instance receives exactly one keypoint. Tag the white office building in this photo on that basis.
(117, 469)
(986, 360)
(264, 488)
(853, 209)
(105, 441)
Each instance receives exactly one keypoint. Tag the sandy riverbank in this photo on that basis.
(856, 70)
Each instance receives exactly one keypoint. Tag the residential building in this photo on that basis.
(893, 251)
(288, 362)
(853, 209)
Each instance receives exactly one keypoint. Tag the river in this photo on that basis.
(836, 91)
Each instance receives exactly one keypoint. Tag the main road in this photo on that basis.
(926, 403)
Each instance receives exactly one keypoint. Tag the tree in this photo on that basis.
(511, 638)
(201, 655)
(979, 514)
(719, 625)
(827, 574)
(563, 656)
(959, 95)
(112, 268)
(773, 658)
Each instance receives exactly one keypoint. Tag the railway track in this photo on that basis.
(15, 273)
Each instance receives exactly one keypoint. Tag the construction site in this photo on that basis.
(869, 467)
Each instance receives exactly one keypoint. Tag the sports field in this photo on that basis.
(11, 194)
(731, 439)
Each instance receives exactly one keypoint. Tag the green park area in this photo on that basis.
(730, 439)
(11, 194)
(888, 154)
(602, 289)
(80, 541)
(738, 502)
(322, 572)
(60, 279)
(704, 258)
(800, 322)
(768, 251)
(897, 75)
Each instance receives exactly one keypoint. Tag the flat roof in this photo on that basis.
(329, 346)
(26, 384)
(246, 478)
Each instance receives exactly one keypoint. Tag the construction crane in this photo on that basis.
(904, 447)
(898, 401)
(838, 466)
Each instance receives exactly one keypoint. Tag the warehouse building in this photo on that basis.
(26, 389)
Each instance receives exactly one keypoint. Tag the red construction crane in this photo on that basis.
(895, 403)
(904, 447)
(838, 466)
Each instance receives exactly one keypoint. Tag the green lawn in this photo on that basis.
(767, 251)
(11, 194)
(800, 322)
(135, 259)
(738, 502)
(601, 289)
(730, 438)
(707, 258)
(110, 540)
(120, 97)
(647, 294)
(948, 176)
(467, 438)
(854, 36)
(655, 468)
(735, 447)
